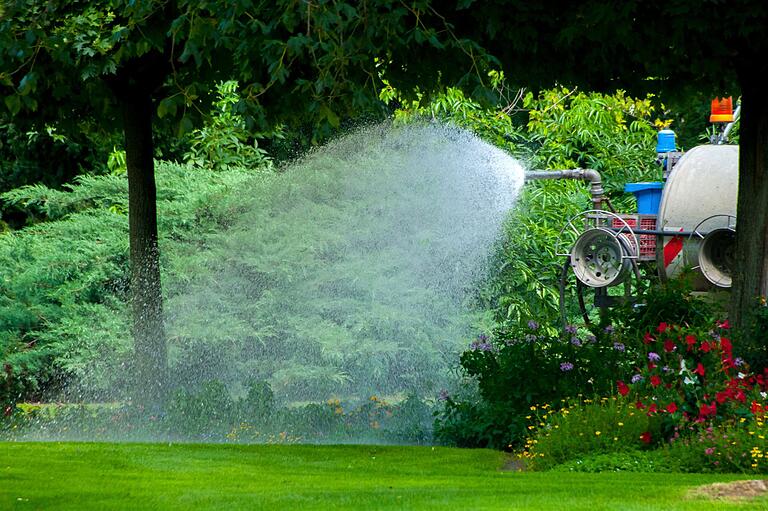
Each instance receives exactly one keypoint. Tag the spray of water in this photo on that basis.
(352, 272)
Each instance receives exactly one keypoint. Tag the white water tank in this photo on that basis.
(703, 184)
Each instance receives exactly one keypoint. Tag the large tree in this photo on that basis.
(128, 62)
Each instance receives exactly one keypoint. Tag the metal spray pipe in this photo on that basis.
(590, 175)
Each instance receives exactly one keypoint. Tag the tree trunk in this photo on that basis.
(750, 274)
(151, 365)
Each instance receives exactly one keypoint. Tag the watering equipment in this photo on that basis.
(685, 223)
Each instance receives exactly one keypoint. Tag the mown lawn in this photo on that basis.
(297, 477)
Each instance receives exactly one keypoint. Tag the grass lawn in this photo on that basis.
(297, 477)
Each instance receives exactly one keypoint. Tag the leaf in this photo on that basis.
(13, 103)
(166, 107)
(28, 83)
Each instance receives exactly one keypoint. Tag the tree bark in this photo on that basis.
(151, 365)
(750, 274)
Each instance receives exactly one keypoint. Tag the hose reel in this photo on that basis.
(603, 253)
(601, 257)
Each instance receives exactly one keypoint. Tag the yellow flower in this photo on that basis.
(621, 423)
(597, 433)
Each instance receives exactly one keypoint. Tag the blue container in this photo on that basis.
(665, 141)
(648, 196)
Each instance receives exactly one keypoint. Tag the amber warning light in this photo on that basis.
(722, 110)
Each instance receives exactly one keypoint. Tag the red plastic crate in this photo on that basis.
(647, 241)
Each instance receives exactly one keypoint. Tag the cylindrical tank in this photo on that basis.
(704, 183)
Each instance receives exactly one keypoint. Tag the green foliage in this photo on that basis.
(225, 141)
(612, 134)
(672, 303)
(63, 283)
(751, 343)
(311, 66)
(492, 122)
(525, 369)
(622, 461)
(306, 279)
(738, 446)
(587, 429)
(316, 284)
(565, 129)
(212, 413)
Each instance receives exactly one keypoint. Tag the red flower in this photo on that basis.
(699, 370)
(755, 407)
(663, 327)
(721, 397)
(655, 380)
(690, 340)
(706, 410)
(705, 346)
(623, 388)
(725, 345)
(671, 407)
(648, 338)
(646, 437)
(669, 346)
(653, 408)
(639, 405)
(724, 325)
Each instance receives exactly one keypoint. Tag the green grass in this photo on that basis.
(85, 476)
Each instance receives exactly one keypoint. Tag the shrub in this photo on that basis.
(535, 365)
(739, 445)
(63, 289)
(691, 375)
(587, 428)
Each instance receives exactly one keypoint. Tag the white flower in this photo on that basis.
(688, 381)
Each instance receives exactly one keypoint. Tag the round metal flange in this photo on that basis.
(602, 258)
